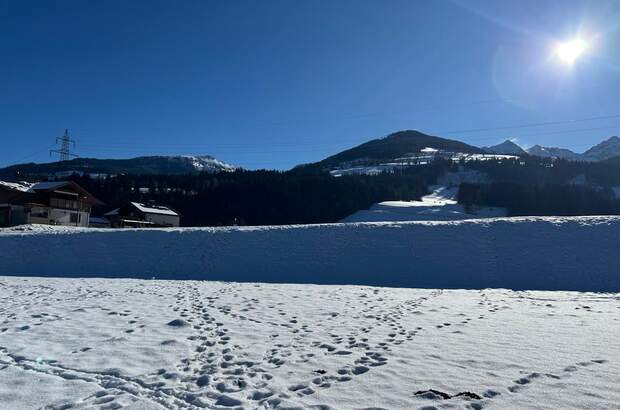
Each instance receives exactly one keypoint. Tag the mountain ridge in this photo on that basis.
(507, 147)
(143, 165)
(551, 152)
(606, 149)
(393, 146)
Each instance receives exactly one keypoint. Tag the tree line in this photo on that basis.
(260, 197)
(525, 186)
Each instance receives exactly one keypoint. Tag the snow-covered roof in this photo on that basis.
(44, 186)
(154, 209)
(32, 187)
(138, 221)
(16, 186)
(429, 150)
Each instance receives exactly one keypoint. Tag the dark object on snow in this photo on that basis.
(178, 323)
(436, 394)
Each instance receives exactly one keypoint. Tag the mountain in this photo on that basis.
(396, 145)
(505, 148)
(552, 152)
(607, 149)
(151, 165)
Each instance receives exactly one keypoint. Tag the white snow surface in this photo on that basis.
(439, 205)
(111, 343)
(161, 210)
(544, 253)
(17, 186)
(208, 163)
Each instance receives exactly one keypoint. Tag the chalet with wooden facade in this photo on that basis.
(50, 203)
(138, 215)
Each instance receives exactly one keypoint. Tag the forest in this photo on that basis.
(526, 186)
(260, 197)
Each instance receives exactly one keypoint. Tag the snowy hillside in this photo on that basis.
(207, 163)
(96, 167)
(107, 344)
(440, 205)
(552, 152)
(558, 253)
(604, 150)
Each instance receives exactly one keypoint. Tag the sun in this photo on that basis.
(568, 52)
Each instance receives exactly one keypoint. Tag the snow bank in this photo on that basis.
(553, 253)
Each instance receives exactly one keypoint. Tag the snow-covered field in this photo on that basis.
(81, 343)
(148, 344)
(439, 205)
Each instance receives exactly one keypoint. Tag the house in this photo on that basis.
(49, 203)
(138, 215)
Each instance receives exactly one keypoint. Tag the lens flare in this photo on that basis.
(568, 52)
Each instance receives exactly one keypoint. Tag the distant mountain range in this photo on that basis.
(381, 154)
(605, 150)
(552, 152)
(151, 165)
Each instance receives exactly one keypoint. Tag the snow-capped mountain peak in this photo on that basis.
(208, 163)
(552, 152)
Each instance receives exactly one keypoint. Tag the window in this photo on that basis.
(39, 213)
(64, 203)
(74, 218)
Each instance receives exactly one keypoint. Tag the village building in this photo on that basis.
(138, 215)
(49, 203)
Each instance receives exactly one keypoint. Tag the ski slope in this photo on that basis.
(149, 344)
(439, 205)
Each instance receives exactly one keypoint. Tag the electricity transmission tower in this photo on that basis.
(65, 147)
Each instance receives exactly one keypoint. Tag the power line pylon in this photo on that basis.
(64, 152)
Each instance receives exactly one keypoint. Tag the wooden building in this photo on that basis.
(50, 203)
(138, 215)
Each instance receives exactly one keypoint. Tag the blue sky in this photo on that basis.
(271, 84)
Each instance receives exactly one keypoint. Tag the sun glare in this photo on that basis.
(569, 51)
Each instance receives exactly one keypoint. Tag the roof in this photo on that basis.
(48, 186)
(31, 188)
(137, 221)
(154, 209)
(16, 186)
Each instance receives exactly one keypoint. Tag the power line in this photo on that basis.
(499, 128)
(530, 125)
(316, 147)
